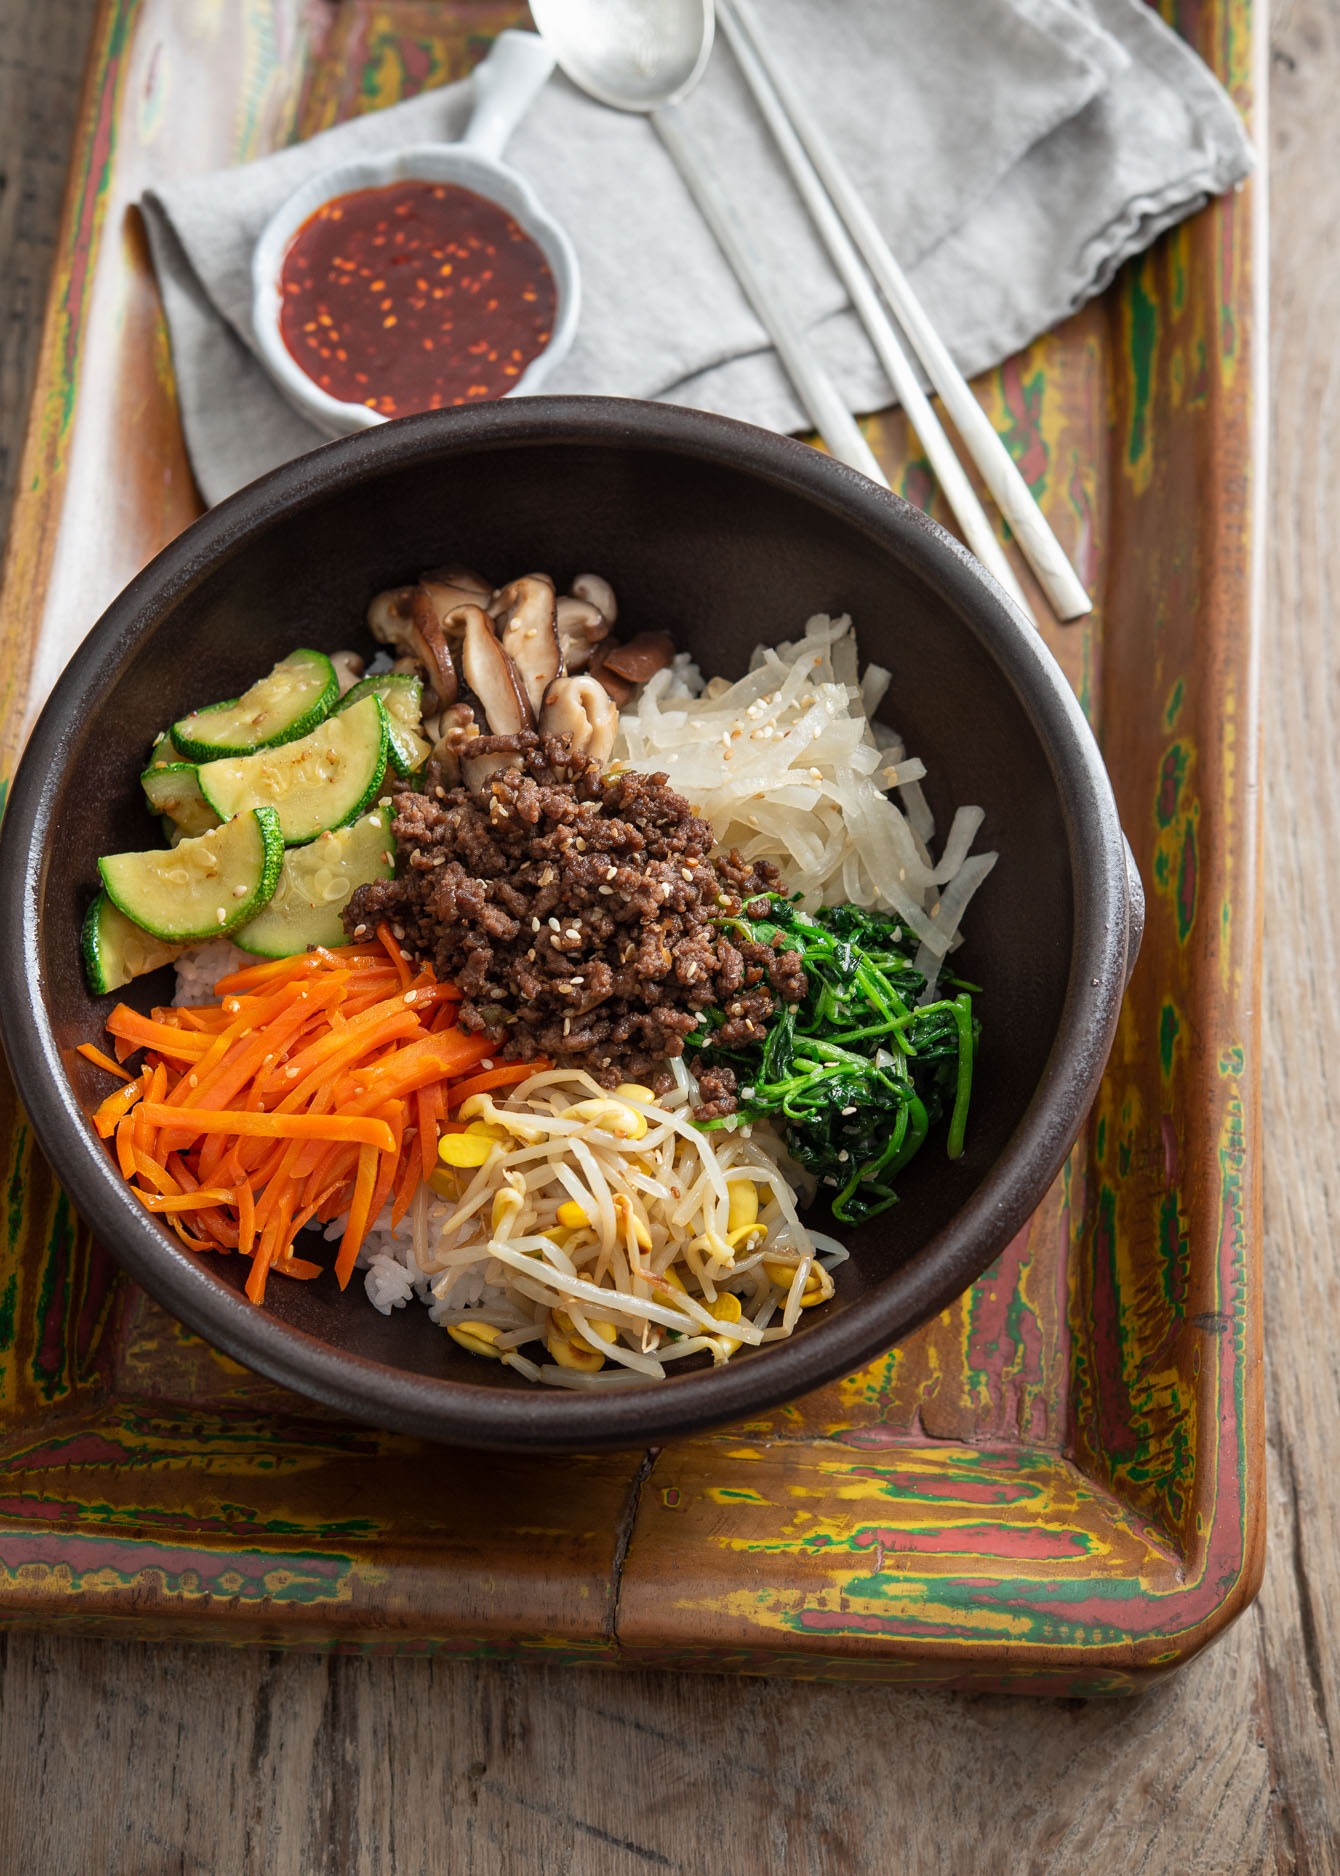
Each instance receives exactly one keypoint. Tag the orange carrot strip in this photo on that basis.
(143, 1033)
(425, 1109)
(155, 1087)
(505, 1077)
(407, 1182)
(125, 1148)
(396, 955)
(360, 1216)
(301, 1267)
(436, 1058)
(388, 1162)
(245, 1200)
(99, 1060)
(113, 1110)
(336, 1127)
(385, 1019)
(266, 975)
(202, 1200)
(156, 1175)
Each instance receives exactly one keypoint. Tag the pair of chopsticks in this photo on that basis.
(868, 269)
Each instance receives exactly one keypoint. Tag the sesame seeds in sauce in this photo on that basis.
(415, 296)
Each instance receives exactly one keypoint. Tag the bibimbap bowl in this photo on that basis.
(725, 536)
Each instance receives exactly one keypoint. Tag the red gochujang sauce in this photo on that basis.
(414, 297)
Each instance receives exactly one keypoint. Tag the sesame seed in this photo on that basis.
(440, 792)
(408, 959)
(398, 931)
(573, 933)
(193, 1080)
(535, 924)
(684, 873)
(487, 1062)
(611, 872)
(843, 1157)
(553, 924)
(221, 916)
(608, 891)
(847, 1110)
(411, 996)
(360, 931)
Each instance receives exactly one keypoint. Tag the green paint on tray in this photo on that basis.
(8, 1303)
(1173, 708)
(1100, 1139)
(1142, 310)
(1170, 1028)
(1176, 761)
(1188, 872)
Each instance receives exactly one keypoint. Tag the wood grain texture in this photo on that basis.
(117, 1758)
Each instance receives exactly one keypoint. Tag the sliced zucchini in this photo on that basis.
(201, 888)
(173, 789)
(402, 694)
(164, 751)
(293, 699)
(116, 949)
(324, 780)
(315, 883)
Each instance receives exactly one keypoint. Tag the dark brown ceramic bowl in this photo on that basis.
(722, 535)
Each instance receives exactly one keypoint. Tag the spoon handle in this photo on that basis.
(826, 408)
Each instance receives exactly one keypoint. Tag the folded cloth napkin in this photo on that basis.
(1014, 152)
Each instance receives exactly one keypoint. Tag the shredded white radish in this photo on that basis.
(787, 766)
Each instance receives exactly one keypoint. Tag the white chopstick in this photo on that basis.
(1044, 553)
(826, 408)
(949, 472)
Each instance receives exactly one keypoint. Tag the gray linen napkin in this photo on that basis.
(1014, 152)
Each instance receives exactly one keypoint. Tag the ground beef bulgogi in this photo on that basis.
(578, 913)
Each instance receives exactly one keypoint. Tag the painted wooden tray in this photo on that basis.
(1057, 1484)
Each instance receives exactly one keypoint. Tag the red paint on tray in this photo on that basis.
(415, 296)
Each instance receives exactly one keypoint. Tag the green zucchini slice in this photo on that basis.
(315, 883)
(116, 949)
(203, 887)
(172, 789)
(324, 780)
(296, 696)
(402, 694)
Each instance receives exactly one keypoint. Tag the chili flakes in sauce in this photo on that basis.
(415, 296)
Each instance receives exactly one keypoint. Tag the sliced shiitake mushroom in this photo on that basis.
(349, 667)
(615, 686)
(431, 639)
(390, 618)
(492, 676)
(580, 627)
(642, 657)
(456, 586)
(524, 615)
(599, 593)
(453, 730)
(582, 710)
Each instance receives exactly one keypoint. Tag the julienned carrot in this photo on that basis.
(313, 1086)
(360, 1215)
(393, 951)
(505, 1077)
(99, 1060)
(191, 1121)
(113, 1110)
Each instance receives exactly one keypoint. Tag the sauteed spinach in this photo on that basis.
(857, 1073)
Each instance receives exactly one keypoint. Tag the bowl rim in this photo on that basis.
(531, 1418)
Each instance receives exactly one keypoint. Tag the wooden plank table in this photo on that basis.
(175, 1759)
